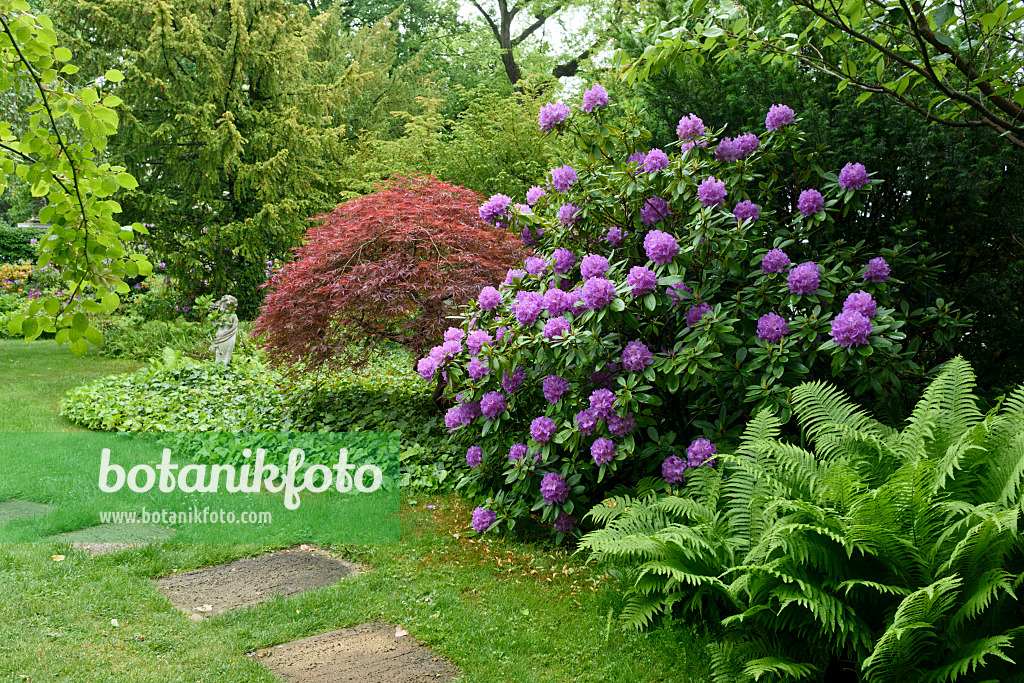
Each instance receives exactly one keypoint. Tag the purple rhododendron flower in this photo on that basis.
(512, 275)
(660, 246)
(564, 523)
(519, 451)
(805, 278)
(585, 421)
(615, 235)
(489, 298)
(542, 429)
(555, 327)
(636, 356)
(483, 519)
(495, 208)
(556, 301)
(727, 151)
(492, 404)
(673, 470)
(451, 348)
(602, 403)
(551, 115)
(746, 211)
(620, 426)
(568, 214)
(563, 177)
(678, 293)
(474, 456)
(454, 334)
(527, 307)
(602, 451)
(851, 328)
(862, 303)
(457, 417)
(772, 327)
(596, 97)
(637, 158)
(564, 260)
(656, 160)
(810, 202)
(597, 293)
(535, 265)
(641, 280)
(878, 270)
(476, 341)
(655, 209)
(534, 193)
(511, 384)
(711, 192)
(746, 144)
(593, 265)
(554, 387)
(553, 488)
(427, 367)
(853, 177)
(477, 368)
(700, 452)
(696, 313)
(779, 115)
(774, 261)
(690, 127)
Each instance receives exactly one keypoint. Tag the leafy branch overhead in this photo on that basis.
(58, 150)
(954, 62)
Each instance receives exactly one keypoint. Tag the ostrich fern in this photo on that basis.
(896, 550)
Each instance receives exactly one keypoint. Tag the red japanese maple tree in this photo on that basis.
(391, 265)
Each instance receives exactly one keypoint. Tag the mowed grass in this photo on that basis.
(34, 376)
(500, 610)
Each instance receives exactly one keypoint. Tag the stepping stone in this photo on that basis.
(368, 653)
(109, 538)
(11, 510)
(214, 590)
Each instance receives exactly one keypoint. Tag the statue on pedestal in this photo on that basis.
(223, 313)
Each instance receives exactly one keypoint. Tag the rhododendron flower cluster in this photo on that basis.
(690, 127)
(711, 192)
(552, 115)
(810, 202)
(563, 177)
(595, 98)
(853, 177)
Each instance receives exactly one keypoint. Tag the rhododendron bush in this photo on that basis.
(671, 293)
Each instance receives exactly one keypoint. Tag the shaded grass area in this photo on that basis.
(500, 610)
(34, 376)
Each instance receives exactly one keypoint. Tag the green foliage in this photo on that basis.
(492, 145)
(386, 396)
(950, 64)
(131, 336)
(897, 550)
(175, 393)
(15, 244)
(59, 150)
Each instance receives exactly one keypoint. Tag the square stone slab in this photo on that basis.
(11, 510)
(368, 653)
(243, 583)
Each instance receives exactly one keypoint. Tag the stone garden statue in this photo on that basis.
(227, 328)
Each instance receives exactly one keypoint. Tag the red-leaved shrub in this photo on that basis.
(388, 266)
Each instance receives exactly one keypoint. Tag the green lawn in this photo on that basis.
(34, 376)
(501, 611)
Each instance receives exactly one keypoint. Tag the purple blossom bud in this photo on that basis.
(673, 470)
(690, 127)
(554, 388)
(851, 328)
(878, 270)
(660, 246)
(593, 265)
(474, 456)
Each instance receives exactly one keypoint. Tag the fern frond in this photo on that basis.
(819, 406)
